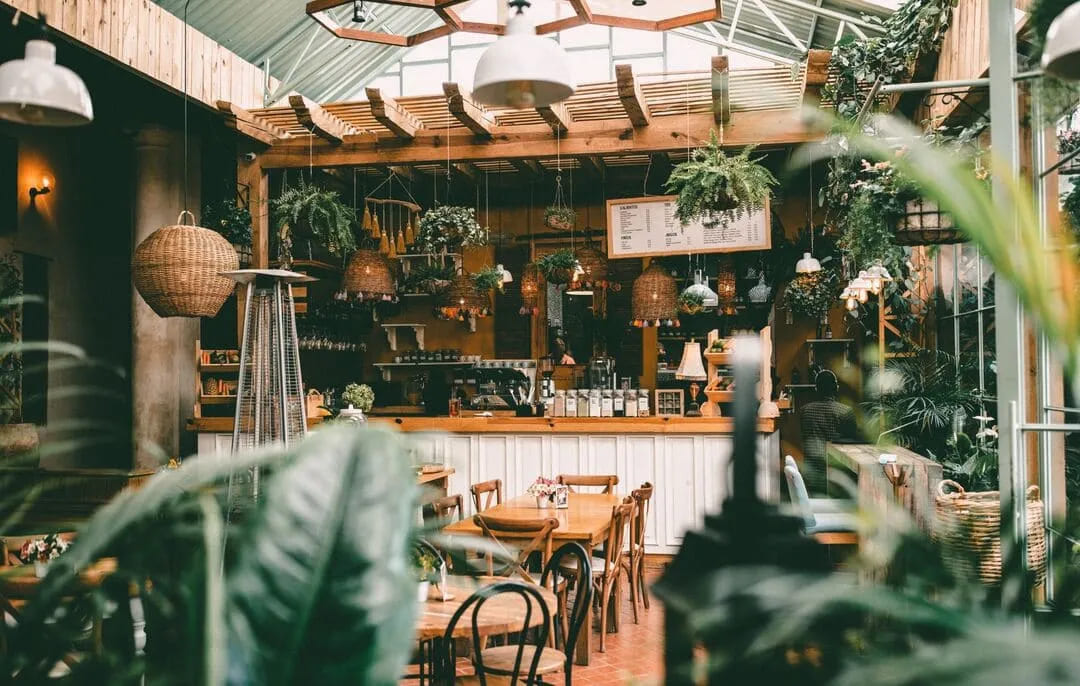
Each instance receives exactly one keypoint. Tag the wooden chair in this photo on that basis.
(634, 559)
(607, 482)
(491, 490)
(446, 509)
(516, 564)
(500, 660)
(523, 660)
(606, 575)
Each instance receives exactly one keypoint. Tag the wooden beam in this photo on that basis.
(317, 120)
(529, 168)
(660, 169)
(815, 76)
(603, 137)
(468, 170)
(592, 165)
(630, 95)
(252, 175)
(721, 103)
(468, 113)
(240, 120)
(393, 116)
(405, 172)
(556, 116)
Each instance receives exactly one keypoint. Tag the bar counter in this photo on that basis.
(687, 459)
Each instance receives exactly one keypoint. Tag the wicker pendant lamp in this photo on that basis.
(594, 268)
(654, 298)
(725, 285)
(530, 290)
(368, 277)
(462, 300)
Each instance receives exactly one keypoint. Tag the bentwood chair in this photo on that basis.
(446, 509)
(607, 482)
(634, 559)
(568, 620)
(515, 562)
(490, 490)
(522, 660)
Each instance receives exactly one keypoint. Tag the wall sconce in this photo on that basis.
(45, 189)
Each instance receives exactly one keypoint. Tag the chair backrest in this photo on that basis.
(621, 516)
(800, 499)
(446, 509)
(606, 482)
(583, 592)
(500, 528)
(491, 490)
(643, 499)
(533, 603)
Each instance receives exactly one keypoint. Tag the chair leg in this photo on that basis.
(605, 597)
(631, 576)
(641, 582)
(617, 594)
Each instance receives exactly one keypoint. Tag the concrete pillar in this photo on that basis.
(163, 350)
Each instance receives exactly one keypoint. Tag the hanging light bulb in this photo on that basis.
(700, 287)
(522, 69)
(807, 265)
(359, 13)
(878, 275)
(36, 90)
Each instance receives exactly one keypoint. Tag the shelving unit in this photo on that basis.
(385, 368)
(717, 361)
(209, 369)
(391, 334)
(813, 343)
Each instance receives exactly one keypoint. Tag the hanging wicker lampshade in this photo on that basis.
(594, 268)
(725, 285)
(368, 277)
(530, 290)
(462, 300)
(654, 298)
(177, 270)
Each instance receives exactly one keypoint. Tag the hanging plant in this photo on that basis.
(691, 302)
(231, 220)
(450, 227)
(432, 279)
(812, 295)
(1070, 206)
(560, 218)
(558, 267)
(487, 279)
(715, 187)
(1068, 141)
(308, 209)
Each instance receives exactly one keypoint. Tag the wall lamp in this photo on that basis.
(44, 189)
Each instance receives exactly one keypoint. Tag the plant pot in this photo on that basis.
(560, 276)
(422, 590)
(558, 223)
(543, 502)
(41, 569)
(353, 414)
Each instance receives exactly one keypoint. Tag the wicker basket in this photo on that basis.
(925, 224)
(530, 290)
(177, 270)
(595, 267)
(462, 300)
(968, 527)
(654, 300)
(368, 276)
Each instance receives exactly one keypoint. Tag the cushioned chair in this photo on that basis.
(833, 528)
(823, 505)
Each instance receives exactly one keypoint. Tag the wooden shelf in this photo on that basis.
(221, 368)
(720, 396)
(800, 386)
(424, 255)
(827, 341)
(719, 358)
(422, 364)
(217, 399)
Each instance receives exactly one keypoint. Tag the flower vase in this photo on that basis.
(422, 590)
(41, 569)
(542, 501)
(353, 414)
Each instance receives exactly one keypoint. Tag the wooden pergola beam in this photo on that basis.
(721, 103)
(529, 168)
(468, 113)
(557, 117)
(243, 122)
(392, 115)
(815, 76)
(468, 170)
(603, 137)
(592, 164)
(317, 120)
(630, 95)
(405, 172)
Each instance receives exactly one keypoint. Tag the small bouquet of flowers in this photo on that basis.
(40, 551)
(548, 492)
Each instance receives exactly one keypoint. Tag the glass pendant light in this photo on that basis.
(522, 69)
(1061, 56)
(36, 90)
(808, 264)
(700, 287)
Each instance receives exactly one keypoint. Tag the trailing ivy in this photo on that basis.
(915, 28)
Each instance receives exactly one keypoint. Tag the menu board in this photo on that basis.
(640, 227)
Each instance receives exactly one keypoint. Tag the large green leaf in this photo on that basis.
(319, 592)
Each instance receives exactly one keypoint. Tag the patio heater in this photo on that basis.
(270, 407)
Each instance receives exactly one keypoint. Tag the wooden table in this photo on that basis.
(586, 521)
(917, 482)
(439, 480)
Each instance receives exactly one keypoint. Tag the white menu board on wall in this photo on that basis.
(641, 227)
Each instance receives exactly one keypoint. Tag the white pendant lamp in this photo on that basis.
(36, 90)
(507, 277)
(522, 69)
(700, 287)
(1061, 55)
(807, 265)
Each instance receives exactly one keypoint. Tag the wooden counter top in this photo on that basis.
(533, 425)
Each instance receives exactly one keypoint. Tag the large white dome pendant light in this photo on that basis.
(522, 69)
(36, 90)
(1061, 56)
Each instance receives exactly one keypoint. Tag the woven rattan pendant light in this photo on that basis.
(530, 290)
(654, 298)
(462, 300)
(178, 268)
(594, 268)
(725, 284)
(368, 277)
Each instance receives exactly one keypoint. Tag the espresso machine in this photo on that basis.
(602, 373)
(503, 384)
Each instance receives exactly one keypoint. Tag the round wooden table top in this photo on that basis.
(20, 582)
(502, 614)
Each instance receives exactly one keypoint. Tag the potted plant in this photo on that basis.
(812, 295)
(232, 221)
(560, 218)
(558, 267)
(356, 399)
(426, 566)
(41, 551)
(715, 187)
(487, 279)
(308, 210)
(450, 228)
(691, 302)
(432, 279)
(544, 491)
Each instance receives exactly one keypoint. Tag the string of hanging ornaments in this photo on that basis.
(178, 268)
(653, 298)
(369, 275)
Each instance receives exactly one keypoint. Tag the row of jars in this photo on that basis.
(599, 403)
(441, 355)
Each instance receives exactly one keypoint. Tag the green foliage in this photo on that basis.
(424, 563)
(972, 464)
(487, 279)
(812, 295)
(11, 361)
(359, 396)
(305, 207)
(868, 236)
(231, 220)
(915, 28)
(560, 217)
(451, 227)
(552, 263)
(1070, 205)
(691, 302)
(428, 278)
(712, 185)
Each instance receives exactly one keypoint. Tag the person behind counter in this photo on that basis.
(560, 354)
(823, 420)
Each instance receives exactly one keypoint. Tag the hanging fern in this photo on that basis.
(712, 183)
(319, 211)
(487, 279)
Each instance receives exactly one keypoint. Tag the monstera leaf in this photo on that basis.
(320, 591)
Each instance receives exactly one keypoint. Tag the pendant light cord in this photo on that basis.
(186, 3)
